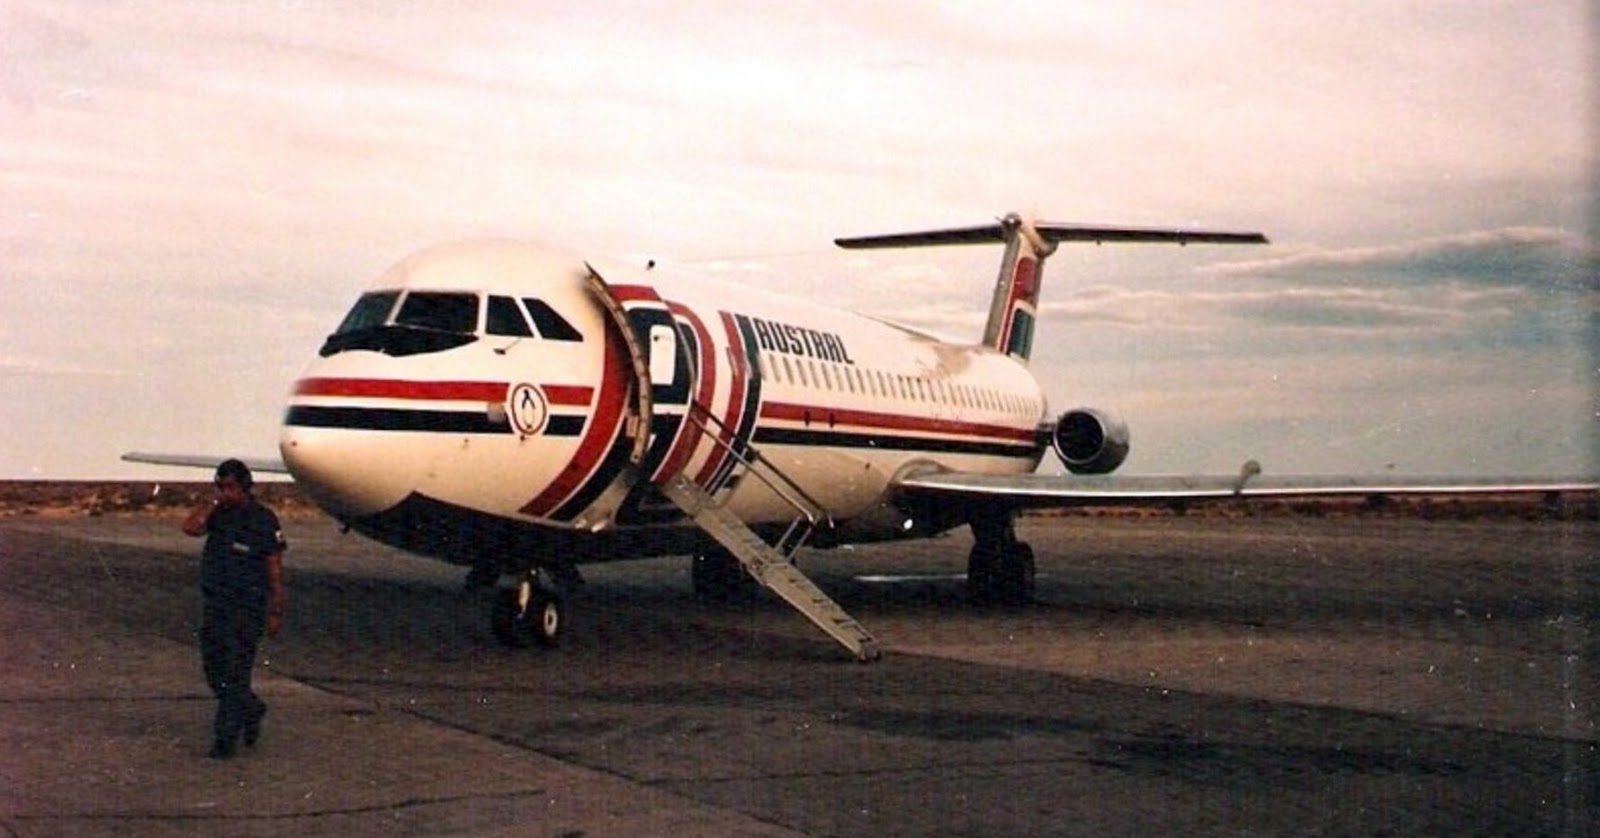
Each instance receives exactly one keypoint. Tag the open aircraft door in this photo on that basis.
(673, 367)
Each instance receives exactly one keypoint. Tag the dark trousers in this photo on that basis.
(229, 635)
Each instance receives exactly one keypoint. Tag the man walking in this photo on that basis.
(241, 583)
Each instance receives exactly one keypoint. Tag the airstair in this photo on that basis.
(770, 564)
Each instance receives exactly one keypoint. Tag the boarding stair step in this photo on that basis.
(769, 567)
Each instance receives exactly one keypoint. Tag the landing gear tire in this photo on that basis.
(1001, 575)
(983, 565)
(1015, 584)
(528, 615)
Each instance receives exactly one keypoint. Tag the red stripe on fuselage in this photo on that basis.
(597, 436)
(565, 395)
(821, 415)
(633, 293)
(568, 395)
(736, 400)
(388, 388)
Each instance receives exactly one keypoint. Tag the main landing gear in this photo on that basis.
(1000, 569)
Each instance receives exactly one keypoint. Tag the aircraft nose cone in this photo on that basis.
(347, 473)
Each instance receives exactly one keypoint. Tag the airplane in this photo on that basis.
(502, 405)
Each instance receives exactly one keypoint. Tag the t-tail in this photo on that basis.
(1015, 306)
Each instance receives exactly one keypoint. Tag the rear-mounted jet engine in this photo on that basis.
(1090, 441)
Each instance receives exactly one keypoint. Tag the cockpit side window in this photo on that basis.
(369, 311)
(439, 310)
(505, 318)
(551, 325)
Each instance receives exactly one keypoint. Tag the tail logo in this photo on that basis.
(1016, 331)
(1025, 282)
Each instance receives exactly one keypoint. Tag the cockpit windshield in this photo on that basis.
(369, 311)
(440, 310)
(427, 321)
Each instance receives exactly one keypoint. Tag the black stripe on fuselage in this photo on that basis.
(564, 426)
(394, 419)
(401, 419)
(885, 442)
(750, 399)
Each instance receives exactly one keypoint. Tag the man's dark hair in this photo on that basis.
(236, 471)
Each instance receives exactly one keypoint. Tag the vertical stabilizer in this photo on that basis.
(1015, 306)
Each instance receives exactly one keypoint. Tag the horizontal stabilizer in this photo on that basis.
(206, 461)
(1098, 234)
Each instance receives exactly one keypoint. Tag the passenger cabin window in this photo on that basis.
(505, 318)
(549, 322)
(439, 310)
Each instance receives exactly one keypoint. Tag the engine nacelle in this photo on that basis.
(1090, 441)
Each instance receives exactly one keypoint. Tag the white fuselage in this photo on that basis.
(471, 406)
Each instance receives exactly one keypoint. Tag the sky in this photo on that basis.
(193, 193)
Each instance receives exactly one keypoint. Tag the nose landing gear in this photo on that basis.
(528, 614)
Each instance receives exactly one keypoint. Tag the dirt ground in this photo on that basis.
(1336, 674)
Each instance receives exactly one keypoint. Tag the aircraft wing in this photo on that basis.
(256, 464)
(1040, 491)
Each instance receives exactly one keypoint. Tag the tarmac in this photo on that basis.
(102, 727)
(1332, 677)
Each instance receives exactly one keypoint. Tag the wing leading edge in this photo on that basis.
(1040, 491)
(256, 464)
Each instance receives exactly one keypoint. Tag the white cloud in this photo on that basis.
(1538, 257)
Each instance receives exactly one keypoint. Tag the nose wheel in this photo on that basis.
(528, 614)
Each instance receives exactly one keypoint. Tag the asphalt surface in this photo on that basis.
(1258, 675)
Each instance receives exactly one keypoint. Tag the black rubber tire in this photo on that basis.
(539, 623)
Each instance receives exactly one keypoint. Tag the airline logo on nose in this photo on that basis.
(527, 409)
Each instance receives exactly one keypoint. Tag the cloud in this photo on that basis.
(1371, 310)
(1538, 258)
(1374, 310)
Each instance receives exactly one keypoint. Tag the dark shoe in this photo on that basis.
(252, 729)
(221, 749)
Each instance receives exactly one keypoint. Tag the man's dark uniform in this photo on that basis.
(233, 582)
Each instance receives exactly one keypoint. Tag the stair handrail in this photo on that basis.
(805, 505)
